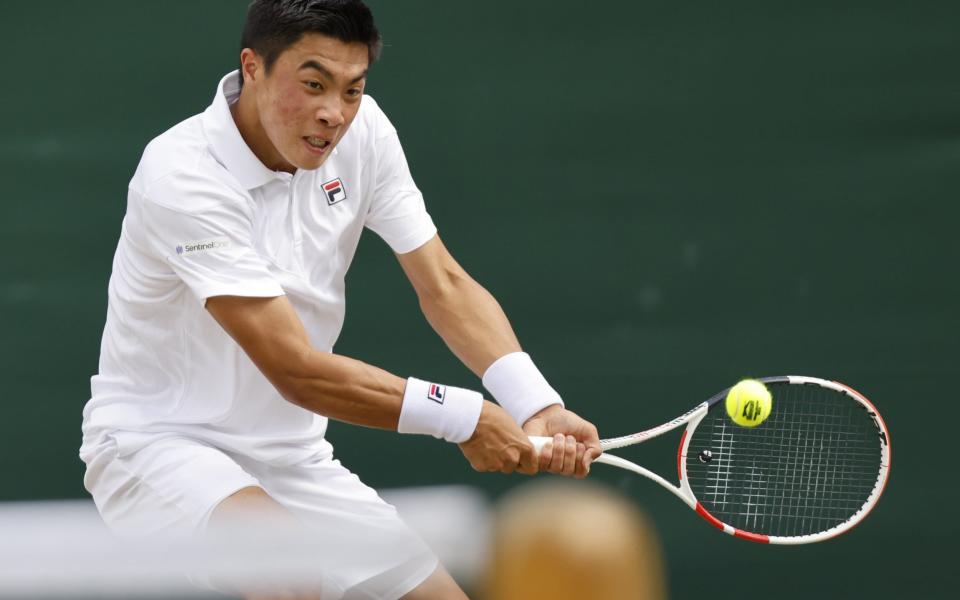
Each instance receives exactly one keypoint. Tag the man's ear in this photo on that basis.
(251, 65)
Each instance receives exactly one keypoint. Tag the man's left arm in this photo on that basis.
(475, 328)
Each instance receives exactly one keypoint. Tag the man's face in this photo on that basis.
(309, 99)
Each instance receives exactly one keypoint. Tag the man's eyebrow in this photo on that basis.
(312, 64)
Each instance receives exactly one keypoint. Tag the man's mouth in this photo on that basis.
(317, 142)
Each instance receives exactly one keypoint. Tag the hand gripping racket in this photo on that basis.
(811, 471)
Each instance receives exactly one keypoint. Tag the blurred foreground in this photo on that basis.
(546, 540)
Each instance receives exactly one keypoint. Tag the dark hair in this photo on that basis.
(272, 26)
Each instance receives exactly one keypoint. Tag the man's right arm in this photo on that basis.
(341, 388)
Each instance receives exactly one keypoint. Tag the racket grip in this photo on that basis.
(539, 442)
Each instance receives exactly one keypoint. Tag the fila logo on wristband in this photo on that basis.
(436, 392)
(335, 191)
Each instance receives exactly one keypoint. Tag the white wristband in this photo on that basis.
(517, 384)
(443, 411)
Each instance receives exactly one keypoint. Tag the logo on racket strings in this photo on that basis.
(436, 393)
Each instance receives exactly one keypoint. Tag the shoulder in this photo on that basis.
(372, 121)
(177, 171)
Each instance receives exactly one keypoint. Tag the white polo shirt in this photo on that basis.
(206, 218)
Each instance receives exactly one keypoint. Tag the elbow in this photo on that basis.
(292, 379)
(443, 289)
(292, 389)
(320, 381)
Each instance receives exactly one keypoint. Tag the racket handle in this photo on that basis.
(539, 442)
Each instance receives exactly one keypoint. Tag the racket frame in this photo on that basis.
(693, 417)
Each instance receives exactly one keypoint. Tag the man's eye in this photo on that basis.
(354, 93)
(316, 85)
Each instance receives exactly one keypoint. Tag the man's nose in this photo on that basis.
(330, 113)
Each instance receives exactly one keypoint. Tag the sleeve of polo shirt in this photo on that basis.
(397, 212)
(204, 232)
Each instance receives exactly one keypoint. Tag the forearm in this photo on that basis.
(341, 388)
(270, 332)
(471, 322)
(476, 329)
(344, 389)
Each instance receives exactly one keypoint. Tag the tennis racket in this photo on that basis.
(811, 471)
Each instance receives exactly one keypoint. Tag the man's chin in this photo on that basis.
(311, 163)
(309, 157)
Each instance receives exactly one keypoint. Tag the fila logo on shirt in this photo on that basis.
(437, 392)
(335, 191)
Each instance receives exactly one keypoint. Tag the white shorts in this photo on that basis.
(172, 485)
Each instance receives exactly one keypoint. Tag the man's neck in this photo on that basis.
(247, 118)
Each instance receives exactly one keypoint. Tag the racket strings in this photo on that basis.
(811, 466)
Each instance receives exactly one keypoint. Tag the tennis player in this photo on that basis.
(217, 374)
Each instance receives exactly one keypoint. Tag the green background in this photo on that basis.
(664, 196)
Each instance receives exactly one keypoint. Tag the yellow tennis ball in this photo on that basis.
(749, 403)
